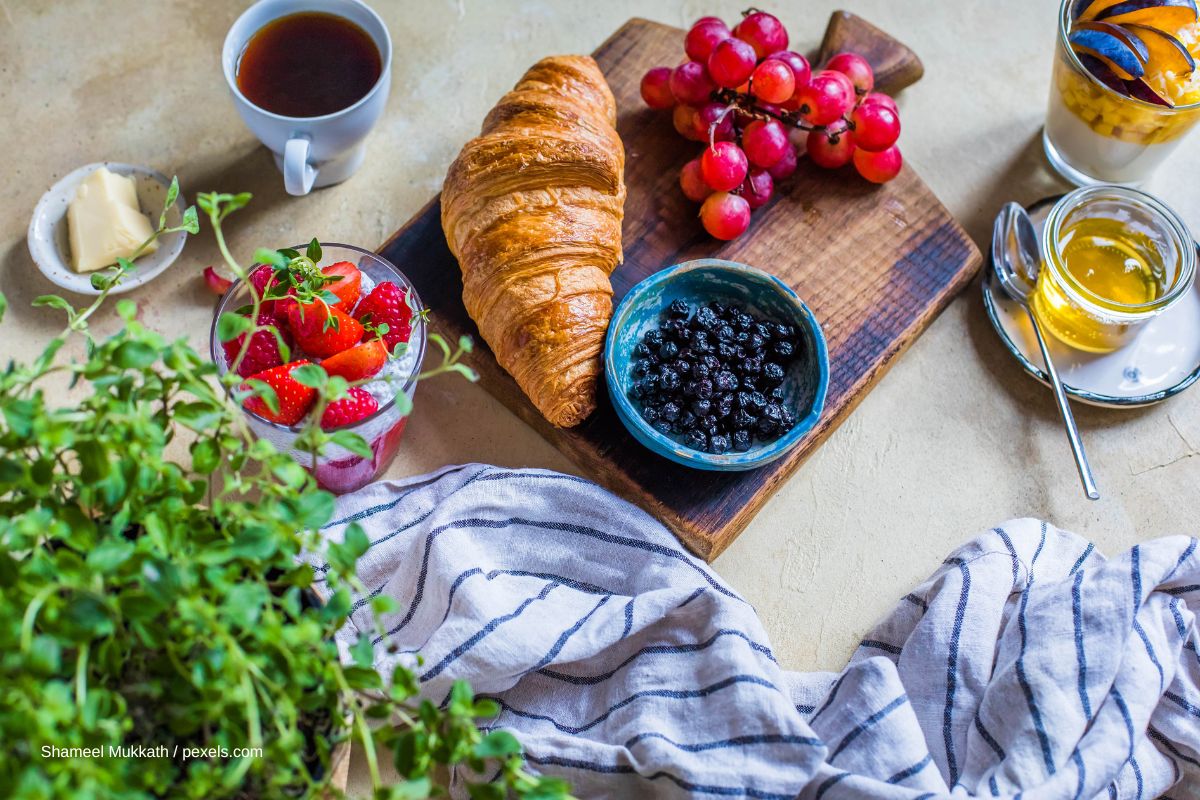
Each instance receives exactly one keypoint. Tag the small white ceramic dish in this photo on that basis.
(1162, 361)
(48, 241)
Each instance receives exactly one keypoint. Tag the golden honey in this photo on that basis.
(1112, 259)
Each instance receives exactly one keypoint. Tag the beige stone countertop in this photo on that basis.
(954, 439)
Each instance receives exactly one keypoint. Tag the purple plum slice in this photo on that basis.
(1103, 73)
(1131, 41)
(1156, 13)
(1140, 90)
(1166, 52)
(1111, 48)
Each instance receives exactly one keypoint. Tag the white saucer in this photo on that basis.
(1162, 361)
(48, 229)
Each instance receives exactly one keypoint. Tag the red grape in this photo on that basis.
(758, 188)
(801, 69)
(784, 167)
(831, 152)
(656, 88)
(725, 216)
(712, 114)
(704, 36)
(876, 127)
(773, 81)
(883, 100)
(827, 97)
(764, 142)
(685, 122)
(731, 63)
(724, 166)
(878, 167)
(691, 181)
(856, 68)
(764, 32)
(690, 83)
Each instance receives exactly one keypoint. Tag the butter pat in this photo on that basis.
(105, 223)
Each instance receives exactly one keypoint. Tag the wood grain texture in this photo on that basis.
(875, 264)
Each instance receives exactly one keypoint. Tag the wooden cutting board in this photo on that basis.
(875, 264)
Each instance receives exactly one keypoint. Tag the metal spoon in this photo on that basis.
(1016, 263)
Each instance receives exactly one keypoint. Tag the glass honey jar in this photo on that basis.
(1113, 258)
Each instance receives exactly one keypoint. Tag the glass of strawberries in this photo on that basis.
(349, 311)
(743, 93)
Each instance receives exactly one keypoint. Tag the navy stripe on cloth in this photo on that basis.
(625, 769)
(656, 649)
(671, 694)
(482, 634)
(866, 725)
(737, 741)
(1182, 703)
(829, 783)
(1022, 677)
(1080, 655)
(1171, 748)
(908, 772)
(952, 671)
(875, 644)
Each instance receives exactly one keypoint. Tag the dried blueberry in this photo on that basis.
(776, 394)
(751, 366)
(678, 309)
(650, 413)
(702, 407)
(756, 342)
(726, 351)
(772, 373)
(662, 426)
(718, 444)
(653, 339)
(668, 379)
(784, 348)
(704, 388)
(705, 319)
(701, 369)
(640, 350)
(741, 440)
(724, 405)
(725, 381)
(697, 440)
(668, 351)
(743, 321)
(725, 332)
(669, 411)
(742, 418)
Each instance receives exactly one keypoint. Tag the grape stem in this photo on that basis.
(745, 103)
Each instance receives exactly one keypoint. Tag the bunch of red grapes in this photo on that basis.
(743, 91)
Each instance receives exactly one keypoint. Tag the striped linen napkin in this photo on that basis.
(1026, 665)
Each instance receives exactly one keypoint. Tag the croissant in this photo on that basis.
(532, 210)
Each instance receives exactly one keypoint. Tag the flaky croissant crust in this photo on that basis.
(532, 209)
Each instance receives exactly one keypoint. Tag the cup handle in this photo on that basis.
(298, 174)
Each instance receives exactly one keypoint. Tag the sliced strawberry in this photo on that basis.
(348, 287)
(387, 303)
(295, 399)
(218, 284)
(263, 277)
(359, 362)
(323, 331)
(263, 352)
(359, 405)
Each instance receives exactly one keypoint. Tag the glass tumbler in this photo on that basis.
(337, 469)
(1081, 317)
(1095, 135)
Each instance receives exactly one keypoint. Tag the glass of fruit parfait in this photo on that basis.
(1125, 88)
(370, 330)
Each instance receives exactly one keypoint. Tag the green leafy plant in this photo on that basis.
(159, 636)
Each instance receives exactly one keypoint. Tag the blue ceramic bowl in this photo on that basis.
(704, 281)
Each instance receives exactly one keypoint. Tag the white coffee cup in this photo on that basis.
(311, 151)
